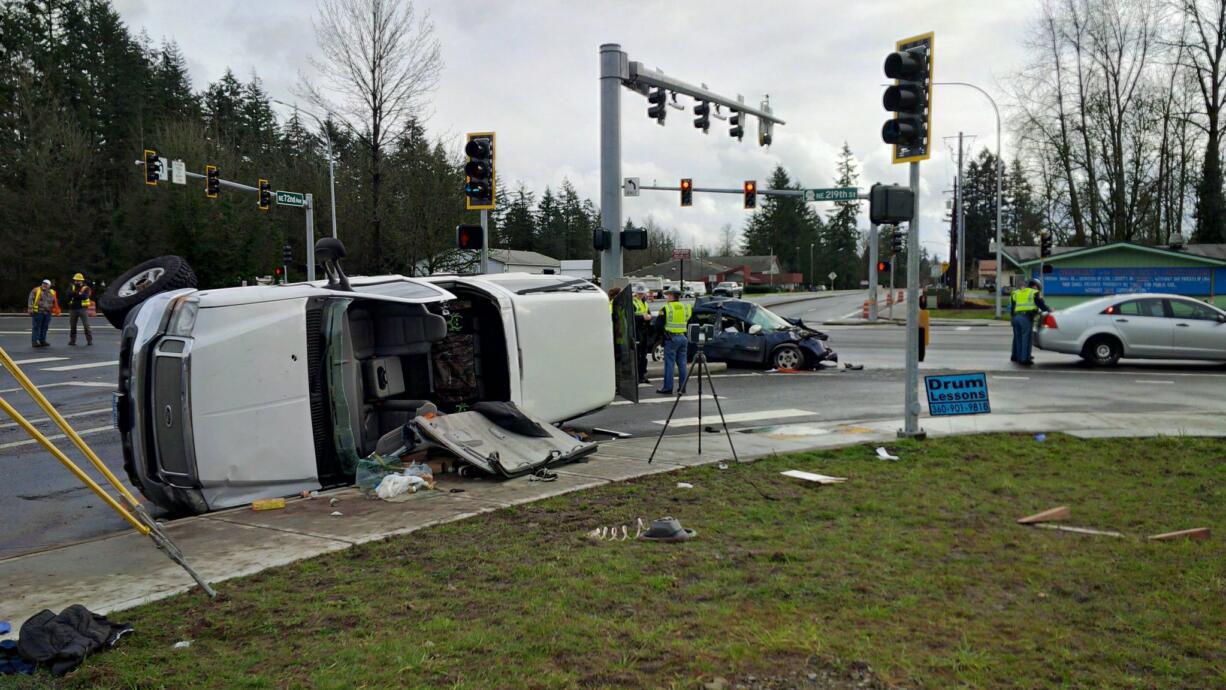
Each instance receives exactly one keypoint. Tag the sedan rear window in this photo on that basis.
(1138, 307)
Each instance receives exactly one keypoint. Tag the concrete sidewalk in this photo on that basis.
(124, 570)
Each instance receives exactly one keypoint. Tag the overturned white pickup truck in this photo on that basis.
(240, 393)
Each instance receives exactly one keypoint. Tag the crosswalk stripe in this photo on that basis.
(80, 384)
(661, 399)
(74, 415)
(56, 437)
(74, 367)
(36, 360)
(761, 415)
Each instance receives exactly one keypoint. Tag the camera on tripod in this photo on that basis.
(700, 333)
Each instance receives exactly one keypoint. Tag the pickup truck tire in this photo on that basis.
(141, 282)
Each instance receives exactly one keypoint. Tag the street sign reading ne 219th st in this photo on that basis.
(297, 199)
(832, 194)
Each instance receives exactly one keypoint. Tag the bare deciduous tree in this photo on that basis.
(379, 59)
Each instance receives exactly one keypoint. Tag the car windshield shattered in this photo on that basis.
(768, 320)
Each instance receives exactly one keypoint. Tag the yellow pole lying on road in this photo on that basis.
(136, 515)
(71, 433)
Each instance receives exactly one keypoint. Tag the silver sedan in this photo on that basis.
(1142, 325)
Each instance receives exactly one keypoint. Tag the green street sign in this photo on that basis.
(291, 199)
(833, 194)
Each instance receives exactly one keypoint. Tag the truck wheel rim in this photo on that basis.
(786, 360)
(140, 281)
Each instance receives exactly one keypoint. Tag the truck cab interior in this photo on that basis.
(387, 358)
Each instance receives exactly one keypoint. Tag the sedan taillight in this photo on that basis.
(1049, 321)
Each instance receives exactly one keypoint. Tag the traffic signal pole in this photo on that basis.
(872, 272)
(911, 411)
(614, 70)
(485, 242)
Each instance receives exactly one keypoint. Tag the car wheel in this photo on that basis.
(787, 357)
(657, 352)
(138, 284)
(1103, 350)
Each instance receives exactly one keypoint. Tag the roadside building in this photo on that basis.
(755, 273)
(1074, 274)
(519, 261)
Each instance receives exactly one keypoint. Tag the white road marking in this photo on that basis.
(74, 415)
(74, 367)
(36, 360)
(661, 399)
(26, 332)
(761, 415)
(963, 328)
(1013, 378)
(80, 384)
(730, 376)
(1151, 381)
(56, 437)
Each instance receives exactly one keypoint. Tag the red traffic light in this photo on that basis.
(277, 271)
(883, 266)
(469, 237)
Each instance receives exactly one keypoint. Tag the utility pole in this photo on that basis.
(812, 275)
(911, 412)
(960, 289)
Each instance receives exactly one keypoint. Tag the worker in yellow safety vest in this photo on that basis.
(80, 297)
(40, 306)
(642, 331)
(1025, 304)
(673, 321)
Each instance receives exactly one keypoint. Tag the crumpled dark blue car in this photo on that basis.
(747, 334)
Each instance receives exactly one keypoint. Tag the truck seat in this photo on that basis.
(408, 334)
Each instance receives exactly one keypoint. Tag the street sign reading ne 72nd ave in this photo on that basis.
(832, 194)
(291, 199)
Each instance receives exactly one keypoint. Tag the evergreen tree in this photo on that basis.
(784, 226)
(520, 222)
(841, 239)
(550, 226)
(170, 87)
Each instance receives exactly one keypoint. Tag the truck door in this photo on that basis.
(626, 362)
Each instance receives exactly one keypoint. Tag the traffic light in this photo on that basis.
(287, 255)
(765, 127)
(659, 109)
(687, 192)
(703, 111)
(737, 122)
(889, 204)
(899, 241)
(265, 200)
(634, 238)
(1045, 243)
(883, 266)
(910, 99)
(277, 272)
(601, 239)
(212, 181)
(479, 171)
(751, 194)
(469, 237)
(153, 167)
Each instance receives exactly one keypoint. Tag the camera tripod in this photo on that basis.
(699, 364)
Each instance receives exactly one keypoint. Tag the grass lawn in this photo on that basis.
(911, 573)
(984, 314)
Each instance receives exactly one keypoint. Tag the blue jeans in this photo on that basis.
(676, 348)
(1022, 334)
(38, 332)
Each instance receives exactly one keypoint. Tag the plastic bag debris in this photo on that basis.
(337, 513)
(181, 644)
(1040, 437)
(684, 485)
(393, 485)
(885, 454)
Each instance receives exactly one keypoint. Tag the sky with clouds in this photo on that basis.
(529, 71)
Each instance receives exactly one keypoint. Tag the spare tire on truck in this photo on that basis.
(141, 282)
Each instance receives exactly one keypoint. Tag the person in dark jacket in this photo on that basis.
(80, 298)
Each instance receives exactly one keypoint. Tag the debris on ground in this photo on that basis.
(1059, 513)
(684, 485)
(1040, 437)
(616, 532)
(811, 477)
(853, 367)
(1194, 533)
(885, 454)
(722, 466)
(337, 513)
(181, 644)
(668, 529)
(5, 627)
(11, 662)
(393, 485)
(543, 475)
(268, 504)
(333, 501)
(1080, 530)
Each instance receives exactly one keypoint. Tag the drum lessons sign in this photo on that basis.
(1114, 281)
